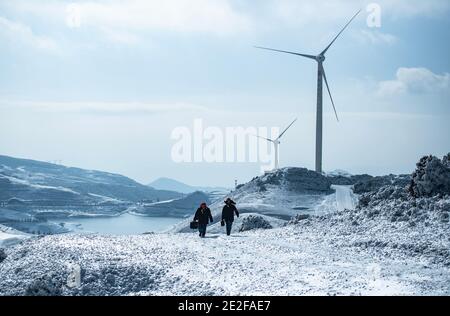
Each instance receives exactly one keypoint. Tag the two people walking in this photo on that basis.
(203, 216)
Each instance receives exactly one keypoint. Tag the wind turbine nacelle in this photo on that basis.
(320, 58)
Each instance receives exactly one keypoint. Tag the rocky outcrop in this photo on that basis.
(432, 177)
(298, 218)
(348, 180)
(254, 222)
(425, 200)
(47, 285)
(374, 183)
(304, 181)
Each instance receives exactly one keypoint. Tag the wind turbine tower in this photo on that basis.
(321, 76)
(276, 144)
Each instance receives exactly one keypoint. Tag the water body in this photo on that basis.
(126, 224)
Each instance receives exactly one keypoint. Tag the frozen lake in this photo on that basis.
(126, 224)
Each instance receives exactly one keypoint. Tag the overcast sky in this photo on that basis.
(102, 84)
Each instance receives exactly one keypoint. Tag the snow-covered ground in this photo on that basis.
(389, 243)
(331, 253)
(10, 236)
(284, 261)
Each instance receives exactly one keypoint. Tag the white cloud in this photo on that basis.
(18, 32)
(103, 108)
(414, 8)
(375, 37)
(119, 36)
(414, 80)
(208, 16)
(124, 21)
(304, 12)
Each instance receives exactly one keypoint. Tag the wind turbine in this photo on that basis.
(320, 77)
(276, 142)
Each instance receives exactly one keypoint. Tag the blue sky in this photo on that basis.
(101, 84)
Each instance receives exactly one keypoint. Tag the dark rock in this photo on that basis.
(110, 279)
(372, 184)
(2, 255)
(254, 222)
(432, 177)
(48, 285)
(444, 217)
(302, 180)
(351, 180)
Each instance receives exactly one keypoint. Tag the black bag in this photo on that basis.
(194, 225)
(222, 223)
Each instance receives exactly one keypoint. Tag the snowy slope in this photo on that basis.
(10, 236)
(46, 176)
(306, 259)
(284, 194)
(53, 190)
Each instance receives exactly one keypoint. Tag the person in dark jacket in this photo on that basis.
(203, 216)
(228, 212)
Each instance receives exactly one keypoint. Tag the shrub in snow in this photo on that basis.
(254, 222)
(304, 181)
(432, 177)
(48, 285)
(2, 255)
(370, 184)
(299, 218)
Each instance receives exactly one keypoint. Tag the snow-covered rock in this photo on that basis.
(432, 177)
(2, 255)
(371, 184)
(46, 285)
(254, 222)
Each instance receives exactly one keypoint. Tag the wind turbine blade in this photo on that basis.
(263, 138)
(286, 52)
(329, 92)
(281, 135)
(332, 42)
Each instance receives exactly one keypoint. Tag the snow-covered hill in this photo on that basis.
(283, 194)
(49, 189)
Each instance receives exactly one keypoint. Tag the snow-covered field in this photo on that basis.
(283, 261)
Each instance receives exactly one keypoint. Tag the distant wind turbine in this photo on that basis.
(276, 143)
(320, 77)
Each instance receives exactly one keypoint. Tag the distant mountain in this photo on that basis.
(44, 188)
(174, 185)
(185, 206)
